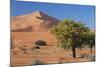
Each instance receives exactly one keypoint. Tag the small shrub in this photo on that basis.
(40, 43)
(38, 62)
(37, 47)
(62, 62)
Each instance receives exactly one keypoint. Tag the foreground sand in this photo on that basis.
(49, 54)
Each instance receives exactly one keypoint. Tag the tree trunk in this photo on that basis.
(74, 51)
(91, 48)
(80, 47)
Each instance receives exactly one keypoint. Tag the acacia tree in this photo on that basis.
(89, 38)
(92, 40)
(68, 33)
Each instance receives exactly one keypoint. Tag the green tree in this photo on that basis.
(89, 38)
(68, 33)
(92, 40)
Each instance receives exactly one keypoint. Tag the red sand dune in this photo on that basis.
(36, 21)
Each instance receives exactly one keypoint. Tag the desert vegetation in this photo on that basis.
(71, 34)
(40, 43)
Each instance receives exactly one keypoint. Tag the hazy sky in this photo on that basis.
(85, 14)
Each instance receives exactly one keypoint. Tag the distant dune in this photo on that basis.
(36, 21)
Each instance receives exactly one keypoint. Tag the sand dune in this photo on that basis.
(36, 21)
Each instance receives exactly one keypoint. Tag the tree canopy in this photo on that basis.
(70, 34)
